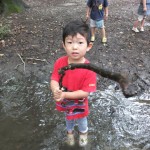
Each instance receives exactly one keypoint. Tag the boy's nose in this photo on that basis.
(75, 45)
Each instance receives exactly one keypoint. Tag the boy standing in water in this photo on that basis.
(97, 11)
(79, 82)
(143, 11)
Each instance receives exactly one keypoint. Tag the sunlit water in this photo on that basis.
(29, 121)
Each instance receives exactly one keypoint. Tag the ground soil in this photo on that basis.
(35, 40)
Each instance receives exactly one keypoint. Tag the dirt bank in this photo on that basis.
(35, 41)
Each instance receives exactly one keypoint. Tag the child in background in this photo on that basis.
(143, 11)
(79, 82)
(97, 11)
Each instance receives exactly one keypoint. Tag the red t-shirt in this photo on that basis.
(77, 79)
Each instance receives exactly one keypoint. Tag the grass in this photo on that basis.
(12, 7)
(4, 31)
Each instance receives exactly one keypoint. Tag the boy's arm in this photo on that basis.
(79, 94)
(144, 5)
(54, 85)
(88, 10)
(106, 12)
(60, 95)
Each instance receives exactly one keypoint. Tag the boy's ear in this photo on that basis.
(90, 46)
(63, 44)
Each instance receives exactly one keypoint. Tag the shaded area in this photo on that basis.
(24, 111)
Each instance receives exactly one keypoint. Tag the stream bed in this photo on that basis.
(29, 121)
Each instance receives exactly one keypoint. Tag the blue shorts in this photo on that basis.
(82, 125)
(97, 24)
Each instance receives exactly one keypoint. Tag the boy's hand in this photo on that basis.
(144, 9)
(87, 17)
(58, 94)
(105, 16)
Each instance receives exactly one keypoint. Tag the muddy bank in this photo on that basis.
(36, 37)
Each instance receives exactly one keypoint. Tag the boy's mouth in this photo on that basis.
(75, 53)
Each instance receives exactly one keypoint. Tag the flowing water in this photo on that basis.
(29, 121)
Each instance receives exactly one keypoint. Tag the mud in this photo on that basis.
(36, 38)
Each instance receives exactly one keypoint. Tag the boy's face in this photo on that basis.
(76, 48)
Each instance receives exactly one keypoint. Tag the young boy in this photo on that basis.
(98, 11)
(79, 82)
(143, 11)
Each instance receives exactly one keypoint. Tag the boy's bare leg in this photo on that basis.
(135, 25)
(93, 29)
(142, 25)
(104, 39)
(103, 32)
(142, 22)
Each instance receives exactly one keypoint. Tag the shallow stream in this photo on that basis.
(29, 121)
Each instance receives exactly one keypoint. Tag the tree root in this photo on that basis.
(122, 79)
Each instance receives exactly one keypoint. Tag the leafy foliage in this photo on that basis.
(11, 6)
(4, 31)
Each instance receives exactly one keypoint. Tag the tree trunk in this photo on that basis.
(11, 6)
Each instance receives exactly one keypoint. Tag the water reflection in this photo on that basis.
(28, 120)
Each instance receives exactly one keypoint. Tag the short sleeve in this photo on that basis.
(55, 76)
(89, 84)
(105, 3)
(89, 3)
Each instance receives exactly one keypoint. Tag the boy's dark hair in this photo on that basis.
(74, 27)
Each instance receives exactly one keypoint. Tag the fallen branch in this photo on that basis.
(37, 59)
(117, 77)
(22, 62)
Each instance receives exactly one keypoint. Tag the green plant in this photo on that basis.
(12, 6)
(4, 31)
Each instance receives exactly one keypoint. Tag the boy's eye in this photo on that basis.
(80, 42)
(69, 42)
